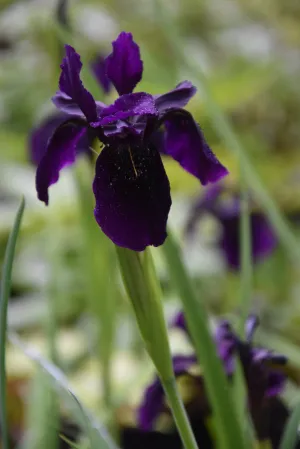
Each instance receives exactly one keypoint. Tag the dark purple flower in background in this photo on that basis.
(225, 207)
(264, 372)
(265, 378)
(131, 187)
(260, 365)
(153, 403)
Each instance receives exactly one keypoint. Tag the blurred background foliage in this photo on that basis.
(250, 52)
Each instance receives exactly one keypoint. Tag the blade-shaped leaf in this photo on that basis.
(229, 431)
(4, 297)
(98, 436)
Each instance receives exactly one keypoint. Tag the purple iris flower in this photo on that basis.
(227, 210)
(264, 375)
(262, 367)
(131, 187)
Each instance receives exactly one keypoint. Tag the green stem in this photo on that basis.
(179, 413)
(142, 286)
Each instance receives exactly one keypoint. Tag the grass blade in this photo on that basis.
(4, 297)
(98, 436)
(291, 435)
(229, 432)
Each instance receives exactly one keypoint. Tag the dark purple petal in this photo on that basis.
(226, 343)
(276, 383)
(179, 322)
(158, 139)
(185, 143)
(61, 151)
(132, 194)
(250, 327)
(151, 406)
(176, 98)
(39, 136)
(182, 363)
(278, 359)
(98, 67)
(73, 98)
(124, 66)
(129, 105)
(263, 238)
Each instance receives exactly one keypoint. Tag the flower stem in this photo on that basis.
(179, 413)
(142, 286)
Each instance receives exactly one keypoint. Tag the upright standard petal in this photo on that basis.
(98, 67)
(73, 98)
(124, 66)
(185, 143)
(176, 98)
(132, 194)
(61, 151)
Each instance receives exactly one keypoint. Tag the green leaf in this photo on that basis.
(229, 432)
(98, 436)
(4, 297)
(290, 435)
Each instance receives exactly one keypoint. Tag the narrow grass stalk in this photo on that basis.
(4, 297)
(245, 253)
(97, 434)
(142, 286)
(226, 132)
(179, 413)
(229, 432)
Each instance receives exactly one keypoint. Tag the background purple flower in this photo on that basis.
(262, 367)
(225, 207)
